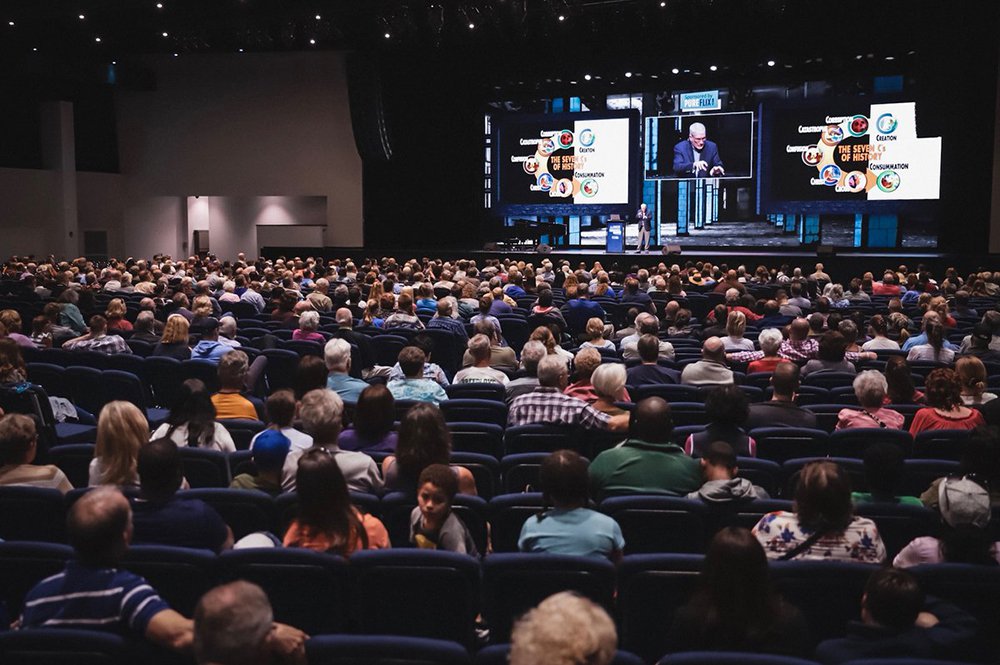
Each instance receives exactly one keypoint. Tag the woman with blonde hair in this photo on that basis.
(544, 335)
(115, 314)
(971, 372)
(121, 430)
(201, 307)
(736, 326)
(595, 335)
(174, 342)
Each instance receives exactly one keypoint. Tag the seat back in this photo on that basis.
(508, 513)
(475, 410)
(204, 467)
(898, 524)
(782, 443)
(476, 437)
(32, 513)
(62, 646)
(946, 444)
(515, 583)
(244, 511)
(280, 369)
(652, 524)
(394, 588)
(827, 592)
(974, 589)
(25, 564)
(855, 441)
(127, 387)
(51, 377)
(538, 438)
(735, 658)
(74, 460)
(180, 575)
(207, 372)
(308, 590)
(165, 379)
(88, 388)
(493, 391)
(499, 654)
(651, 588)
(384, 650)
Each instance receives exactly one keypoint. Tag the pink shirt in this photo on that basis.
(849, 418)
(927, 549)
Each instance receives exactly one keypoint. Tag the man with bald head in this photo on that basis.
(92, 592)
(234, 625)
(345, 330)
(648, 462)
(781, 411)
(645, 324)
(711, 370)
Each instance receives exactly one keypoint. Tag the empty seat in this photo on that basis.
(732, 658)
(129, 387)
(32, 513)
(477, 437)
(475, 410)
(508, 513)
(384, 650)
(400, 585)
(782, 443)
(74, 460)
(62, 646)
(25, 564)
(539, 438)
(244, 511)
(88, 388)
(514, 583)
(855, 441)
(309, 590)
(205, 467)
(652, 524)
(947, 444)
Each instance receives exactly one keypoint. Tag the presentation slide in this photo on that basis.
(714, 145)
(872, 152)
(566, 160)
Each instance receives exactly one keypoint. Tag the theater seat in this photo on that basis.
(731, 658)
(498, 654)
(25, 564)
(62, 646)
(383, 650)
(32, 513)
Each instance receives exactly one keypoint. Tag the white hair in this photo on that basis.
(770, 340)
(321, 410)
(550, 369)
(609, 380)
(564, 629)
(696, 128)
(870, 388)
(309, 320)
(337, 354)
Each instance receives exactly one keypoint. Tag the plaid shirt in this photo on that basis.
(804, 349)
(545, 405)
(104, 344)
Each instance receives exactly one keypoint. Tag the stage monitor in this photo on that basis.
(847, 156)
(567, 164)
(711, 145)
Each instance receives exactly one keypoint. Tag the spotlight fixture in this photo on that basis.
(82, 17)
(628, 75)
(312, 41)
(97, 39)
(472, 26)
(159, 5)
(387, 35)
(587, 77)
(675, 71)
(165, 34)
(10, 23)
(663, 3)
(319, 17)
(770, 63)
(713, 68)
(562, 17)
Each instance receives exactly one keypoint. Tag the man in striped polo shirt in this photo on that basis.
(92, 592)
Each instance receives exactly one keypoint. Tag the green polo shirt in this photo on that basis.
(639, 467)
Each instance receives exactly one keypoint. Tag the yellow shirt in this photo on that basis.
(233, 405)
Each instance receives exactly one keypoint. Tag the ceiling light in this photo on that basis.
(663, 4)
(82, 17)
(312, 41)
(770, 63)
(713, 68)
(241, 50)
(472, 26)
(165, 34)
(628, 75)
(176, 55)
(675, 71)
(586, 77)
(318, 17)
(97, 39)
(159, 5)
(10, 23)
(387, 35)
(562, 18)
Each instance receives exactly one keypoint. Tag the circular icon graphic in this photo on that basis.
(812, 155)
(858, 125)
(833, 134)
(565, 139)
(830, 174)
(887, 181)
(545, 182)
(589, 187)
(563, 188)
(886, 123)
(531, 164)
(855, 181)
(546, 147)
(586, 137)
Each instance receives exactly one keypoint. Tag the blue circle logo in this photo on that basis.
(586, 137)
(886, 123)
(830, 174)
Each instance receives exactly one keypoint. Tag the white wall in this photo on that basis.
(240, 126)
(263, 139)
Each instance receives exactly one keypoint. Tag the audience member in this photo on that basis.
(900, 387)
(735, 606)
(414, 385)
(18, 447)
(174, 341)
(648, 462)
(727, 410)
(424, 439)
(372, 422)
(98, 339)
(721, 484)
(568, 526)
(945, 409)
(971, 373)
(122, 430)
(884, 471)
(547, 404)
(711, 370)
(270, 448)
(337, 355)
(433, 524)
(480, 370)
(823, 526)
(161, 517)
(870, 387)
(831, 350)
(230, 402)
(531, 354)
(781, 410)
(192, 421)
(325, 520)
(645, 324)
(564, 629)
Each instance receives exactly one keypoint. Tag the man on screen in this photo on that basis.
(697, 157)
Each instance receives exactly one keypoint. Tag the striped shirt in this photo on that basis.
(106, 599)
(547, 406)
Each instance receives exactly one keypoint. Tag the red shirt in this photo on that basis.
(765, 364)
(929, 419)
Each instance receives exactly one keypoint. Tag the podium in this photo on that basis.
(615, 240)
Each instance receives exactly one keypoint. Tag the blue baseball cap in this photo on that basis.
(270, 448)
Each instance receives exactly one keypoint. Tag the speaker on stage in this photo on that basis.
(672, 250)
(543, 248)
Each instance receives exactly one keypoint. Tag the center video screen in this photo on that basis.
(684, 147)
(567, 163)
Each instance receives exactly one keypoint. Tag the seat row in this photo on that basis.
(649, 523)
(391, 591)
